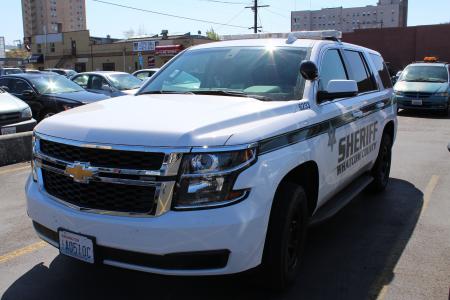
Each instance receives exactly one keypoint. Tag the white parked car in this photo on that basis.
(221, 161)
(15, 115)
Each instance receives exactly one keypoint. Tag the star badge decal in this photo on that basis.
(331, 136)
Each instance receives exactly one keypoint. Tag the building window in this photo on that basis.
(39, 48)
(52, 47)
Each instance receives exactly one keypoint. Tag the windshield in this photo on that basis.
(425, 74)
(269, 72)
(54, 84)
(125, 81)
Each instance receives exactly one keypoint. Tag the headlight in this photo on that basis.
(207, 179)
(444, 94)
(69, 106)
(33, 163)
(398, 93)
(26, 113)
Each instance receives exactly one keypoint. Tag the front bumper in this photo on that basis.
(429, 103)
(21, 126)
(237, 232)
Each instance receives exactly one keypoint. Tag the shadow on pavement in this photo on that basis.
(423, 114)
(349, 257)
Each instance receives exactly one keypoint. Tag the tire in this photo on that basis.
(285, 238)
(382, 167)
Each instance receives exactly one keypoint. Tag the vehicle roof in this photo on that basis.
(278, 42)
(31, 75)
(149, 69)
(439, 64)
(10, 68)
(102, 73)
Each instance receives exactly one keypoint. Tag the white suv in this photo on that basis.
(221, 161)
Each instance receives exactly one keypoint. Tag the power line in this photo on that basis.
(232, 19)
(167, 15)
(225, 2)
(278, 14)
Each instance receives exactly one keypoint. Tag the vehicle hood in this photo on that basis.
(423, 87)
(81, 96)
(9, 103)
(167, 120)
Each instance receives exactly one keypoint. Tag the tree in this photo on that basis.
(211, 34)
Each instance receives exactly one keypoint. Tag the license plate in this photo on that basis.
(77, 246)
(416, 102)
(8, 130)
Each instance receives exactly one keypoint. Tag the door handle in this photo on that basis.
(357, 114)
(380, 105)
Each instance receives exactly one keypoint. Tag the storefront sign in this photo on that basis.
(169, 50)
(142, 46)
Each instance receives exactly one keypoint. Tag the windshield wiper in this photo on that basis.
(231, 93)
(162, 92)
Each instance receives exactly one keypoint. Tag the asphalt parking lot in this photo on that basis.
(391, 246)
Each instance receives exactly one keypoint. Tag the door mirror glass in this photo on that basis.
(28, 94)
(309, 70)
(106, 87)
(338, 89)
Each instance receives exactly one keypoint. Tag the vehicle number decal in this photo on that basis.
(304, 106)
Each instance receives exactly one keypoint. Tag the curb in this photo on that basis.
(15, 148)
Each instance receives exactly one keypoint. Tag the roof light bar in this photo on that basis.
(251, 36)
(333, 35)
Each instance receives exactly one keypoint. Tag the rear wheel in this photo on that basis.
(285, 236)
(382, 167)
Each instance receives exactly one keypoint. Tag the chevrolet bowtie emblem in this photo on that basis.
(80, 172)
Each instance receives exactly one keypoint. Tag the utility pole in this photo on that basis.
(255, 15)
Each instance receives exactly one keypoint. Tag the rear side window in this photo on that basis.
(82, 80)
(359, 71)
(382, 70)
(332, 68)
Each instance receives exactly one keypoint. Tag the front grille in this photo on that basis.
(417, 95)
(99, 195)
(103, 157)
(9, 118)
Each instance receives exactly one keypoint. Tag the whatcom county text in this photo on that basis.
(356, 146)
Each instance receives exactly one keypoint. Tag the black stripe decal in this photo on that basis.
(311, 131)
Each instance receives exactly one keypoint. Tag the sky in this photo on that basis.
(103, 19)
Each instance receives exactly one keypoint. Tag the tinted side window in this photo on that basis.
(382, 70)
(332, 68)
(142, 75)
(82, 81)
(18, 86)
(359, 71)
(4, 82)
(97, 82)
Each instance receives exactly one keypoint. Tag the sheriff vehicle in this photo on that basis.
(221, 161)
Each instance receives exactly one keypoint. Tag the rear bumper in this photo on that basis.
(22, 126)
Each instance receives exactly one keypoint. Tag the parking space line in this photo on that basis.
(22, 251)
(391, 261)
(14, 169)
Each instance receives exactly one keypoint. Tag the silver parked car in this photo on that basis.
(144, 74)
(109, 83)
(15, 115)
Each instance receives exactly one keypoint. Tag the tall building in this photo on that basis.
(387, 13)
(53, 16)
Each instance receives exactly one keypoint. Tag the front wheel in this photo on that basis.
(382, 167)
(286, 236)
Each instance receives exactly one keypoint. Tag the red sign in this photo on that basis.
(169, 50)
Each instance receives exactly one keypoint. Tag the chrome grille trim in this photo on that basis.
(164, 187)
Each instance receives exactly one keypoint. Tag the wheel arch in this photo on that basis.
(389, 128)
(306, 175)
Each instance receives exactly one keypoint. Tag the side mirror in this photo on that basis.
(5, 88)
(107, 88)
(338, 89)
(309, 70)
(28, 94)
